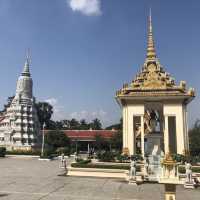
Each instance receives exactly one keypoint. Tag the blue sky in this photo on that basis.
(84, 50)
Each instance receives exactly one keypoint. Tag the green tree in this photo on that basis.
(96, 124)
(194, 139)
(116, 141)
(59, 125)
(83, 125)
(56, 139)
(65, 124)
(44, 112)
(51, 125)
(100, 143)
(74, 124)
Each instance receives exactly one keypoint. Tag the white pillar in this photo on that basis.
(142, 135)
(166, 136)
(125, 127)
(180, 130)
(186, 130)
(131, 134)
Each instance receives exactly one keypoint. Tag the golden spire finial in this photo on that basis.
(151, 53)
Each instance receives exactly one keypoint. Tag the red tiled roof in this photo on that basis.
(88, 134)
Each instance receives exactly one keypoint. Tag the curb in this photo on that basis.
(21, 156)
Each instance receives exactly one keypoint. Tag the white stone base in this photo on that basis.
(135, 181)
(95, 172)
(189, 185)
(132, 182)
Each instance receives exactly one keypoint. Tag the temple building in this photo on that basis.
(154, 109)
(19, 125)
(85, 139)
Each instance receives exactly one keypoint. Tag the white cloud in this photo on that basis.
(89, 116)
(58, 113)
(52, 101)
(86, 7)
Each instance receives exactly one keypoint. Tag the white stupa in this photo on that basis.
(19, 126)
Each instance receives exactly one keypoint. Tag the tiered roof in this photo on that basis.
(153, 80)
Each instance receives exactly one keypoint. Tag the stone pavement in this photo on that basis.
(30, 179)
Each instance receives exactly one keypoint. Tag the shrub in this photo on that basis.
(116, 140)
(182, 158)
(194, 139)
(122, 158)
(195, 159)
(137, 157)
(49, 154)
(56, 139)
(106, 156)
(181, 169)
(65, 150)
(2, 151)
(195, 169)
(78, 160)
(101, 143)
(179, 158)
(81, 161)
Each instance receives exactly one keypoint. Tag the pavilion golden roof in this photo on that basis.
(153, 79)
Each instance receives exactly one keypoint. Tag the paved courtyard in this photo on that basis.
(30, 179)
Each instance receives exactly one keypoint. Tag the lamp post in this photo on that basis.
(42, 151)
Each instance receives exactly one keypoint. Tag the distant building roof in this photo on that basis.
(87, 135)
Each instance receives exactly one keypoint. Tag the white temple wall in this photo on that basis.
(177, 111)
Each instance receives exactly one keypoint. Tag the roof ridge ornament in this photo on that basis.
(151, 52)
(153, 80)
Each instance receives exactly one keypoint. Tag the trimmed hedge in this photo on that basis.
(106, 156)
(23, 152)
(181, 158)
(81, 161)
(101, 166)
(2, 151)
(181, 169)
(87, 164)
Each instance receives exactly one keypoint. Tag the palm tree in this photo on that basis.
(96, 124)
(44, 112)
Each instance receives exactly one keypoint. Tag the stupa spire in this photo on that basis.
(26, 70)
(151, 52)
